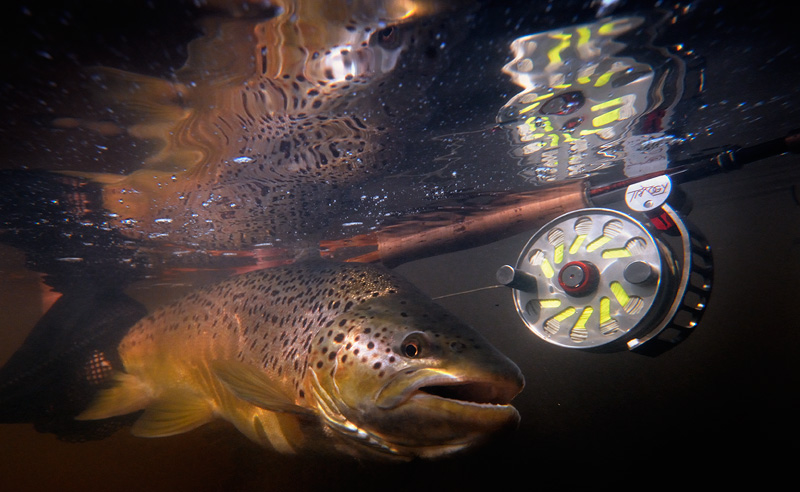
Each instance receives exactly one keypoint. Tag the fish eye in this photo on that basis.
(389, 38)
(412, 346)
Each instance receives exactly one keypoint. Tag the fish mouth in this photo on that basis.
(436, 411)
(471, 392)
(456, 389)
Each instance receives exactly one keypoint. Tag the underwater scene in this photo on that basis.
(302, 245)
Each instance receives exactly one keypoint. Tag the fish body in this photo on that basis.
(315, 356)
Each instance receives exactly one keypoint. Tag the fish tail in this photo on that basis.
(126, 395)
(145, 100)
(156, 110)
(66, 359)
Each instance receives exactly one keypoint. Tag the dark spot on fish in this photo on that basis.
(457, 346)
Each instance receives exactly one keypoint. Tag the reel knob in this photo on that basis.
(578, 278)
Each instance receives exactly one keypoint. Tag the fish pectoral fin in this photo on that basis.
(253, 386)
(173, 413)
(127, 395)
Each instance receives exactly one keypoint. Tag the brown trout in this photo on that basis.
(315, 356)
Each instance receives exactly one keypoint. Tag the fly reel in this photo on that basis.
(603, 280)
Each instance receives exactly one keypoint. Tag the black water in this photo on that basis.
(716, 409)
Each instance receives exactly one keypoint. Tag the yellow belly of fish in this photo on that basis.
(173, 379)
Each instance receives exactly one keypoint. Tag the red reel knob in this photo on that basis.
(578, 278)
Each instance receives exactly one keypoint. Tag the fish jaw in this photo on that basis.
(383, 403)
(425, 413)
(435, 412)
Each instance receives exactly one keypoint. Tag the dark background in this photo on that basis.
(717, 409)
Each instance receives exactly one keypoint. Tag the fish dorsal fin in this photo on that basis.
(173, 413)
(253, 386)
(127, 395)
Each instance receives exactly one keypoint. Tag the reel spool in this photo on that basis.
(603, 280)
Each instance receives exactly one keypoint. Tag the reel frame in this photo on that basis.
(638, 281)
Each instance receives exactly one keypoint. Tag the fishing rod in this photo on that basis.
(732, 158)
(590, 278)
(504, 215)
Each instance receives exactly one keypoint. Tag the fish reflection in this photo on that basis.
(270, 118)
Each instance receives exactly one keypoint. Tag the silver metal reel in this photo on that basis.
(601, 279)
